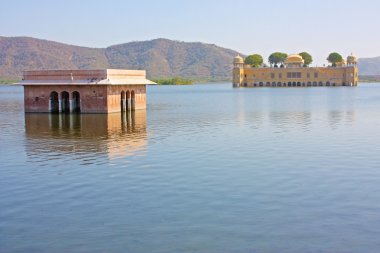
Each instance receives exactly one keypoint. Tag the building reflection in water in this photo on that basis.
(284, 121)
(290, 119)
(90, 137)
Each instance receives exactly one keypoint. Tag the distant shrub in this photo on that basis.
(4, 80)
(173, 81)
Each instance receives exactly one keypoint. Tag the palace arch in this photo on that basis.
(75, 102)
(65, 101)
(122, 101)
(54, 102)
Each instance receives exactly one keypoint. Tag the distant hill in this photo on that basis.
(369, 66)
(160, 57)
(23, 53)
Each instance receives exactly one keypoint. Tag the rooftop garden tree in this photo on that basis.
(308, 59)
(255, 60)
(334, 58)
(277, 57)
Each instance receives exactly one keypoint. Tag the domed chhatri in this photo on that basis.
(294, 73)
(238, 59)
(294, 60)
(351, 59)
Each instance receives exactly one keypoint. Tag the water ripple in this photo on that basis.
(206, 168)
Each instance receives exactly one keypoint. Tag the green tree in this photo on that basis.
(308, 59)
(277, 57)
(334, 58)
(255, 60)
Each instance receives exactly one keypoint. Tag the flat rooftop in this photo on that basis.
(85, 77)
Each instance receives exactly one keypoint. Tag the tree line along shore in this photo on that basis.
(184, 81)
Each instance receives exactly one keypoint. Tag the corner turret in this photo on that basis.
(238, 70)
(351, 60)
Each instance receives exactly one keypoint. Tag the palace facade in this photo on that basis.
(85, 91)
(294, 74)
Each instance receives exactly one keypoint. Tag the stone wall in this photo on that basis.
(93, 98)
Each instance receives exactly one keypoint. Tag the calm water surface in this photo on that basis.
(206, 168)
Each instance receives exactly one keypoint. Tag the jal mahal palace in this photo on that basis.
(294, 74)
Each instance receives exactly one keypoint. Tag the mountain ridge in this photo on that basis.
(160, 57)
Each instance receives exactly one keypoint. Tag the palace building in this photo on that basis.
(293, 74)
(85, 91)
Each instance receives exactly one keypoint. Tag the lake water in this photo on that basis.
(207, 168)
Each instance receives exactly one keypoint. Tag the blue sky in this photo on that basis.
(248, 26)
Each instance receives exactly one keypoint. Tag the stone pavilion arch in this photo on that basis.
(75, 102)
(122, 101)
(65, 102)
(133, 101)
(54, 102)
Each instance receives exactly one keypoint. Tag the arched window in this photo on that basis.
(133, 105)
(65, 101)
(54, 102)
(76, 101)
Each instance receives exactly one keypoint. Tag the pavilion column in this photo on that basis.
(128, 104)
(60, 104)
(50, 106)
(72, 105)
(123, 105)
(132, 104)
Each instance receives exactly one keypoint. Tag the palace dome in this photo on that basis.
(351, 59)
(238, 59)
(294, 58)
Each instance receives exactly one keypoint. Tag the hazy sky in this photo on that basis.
(248, 26)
